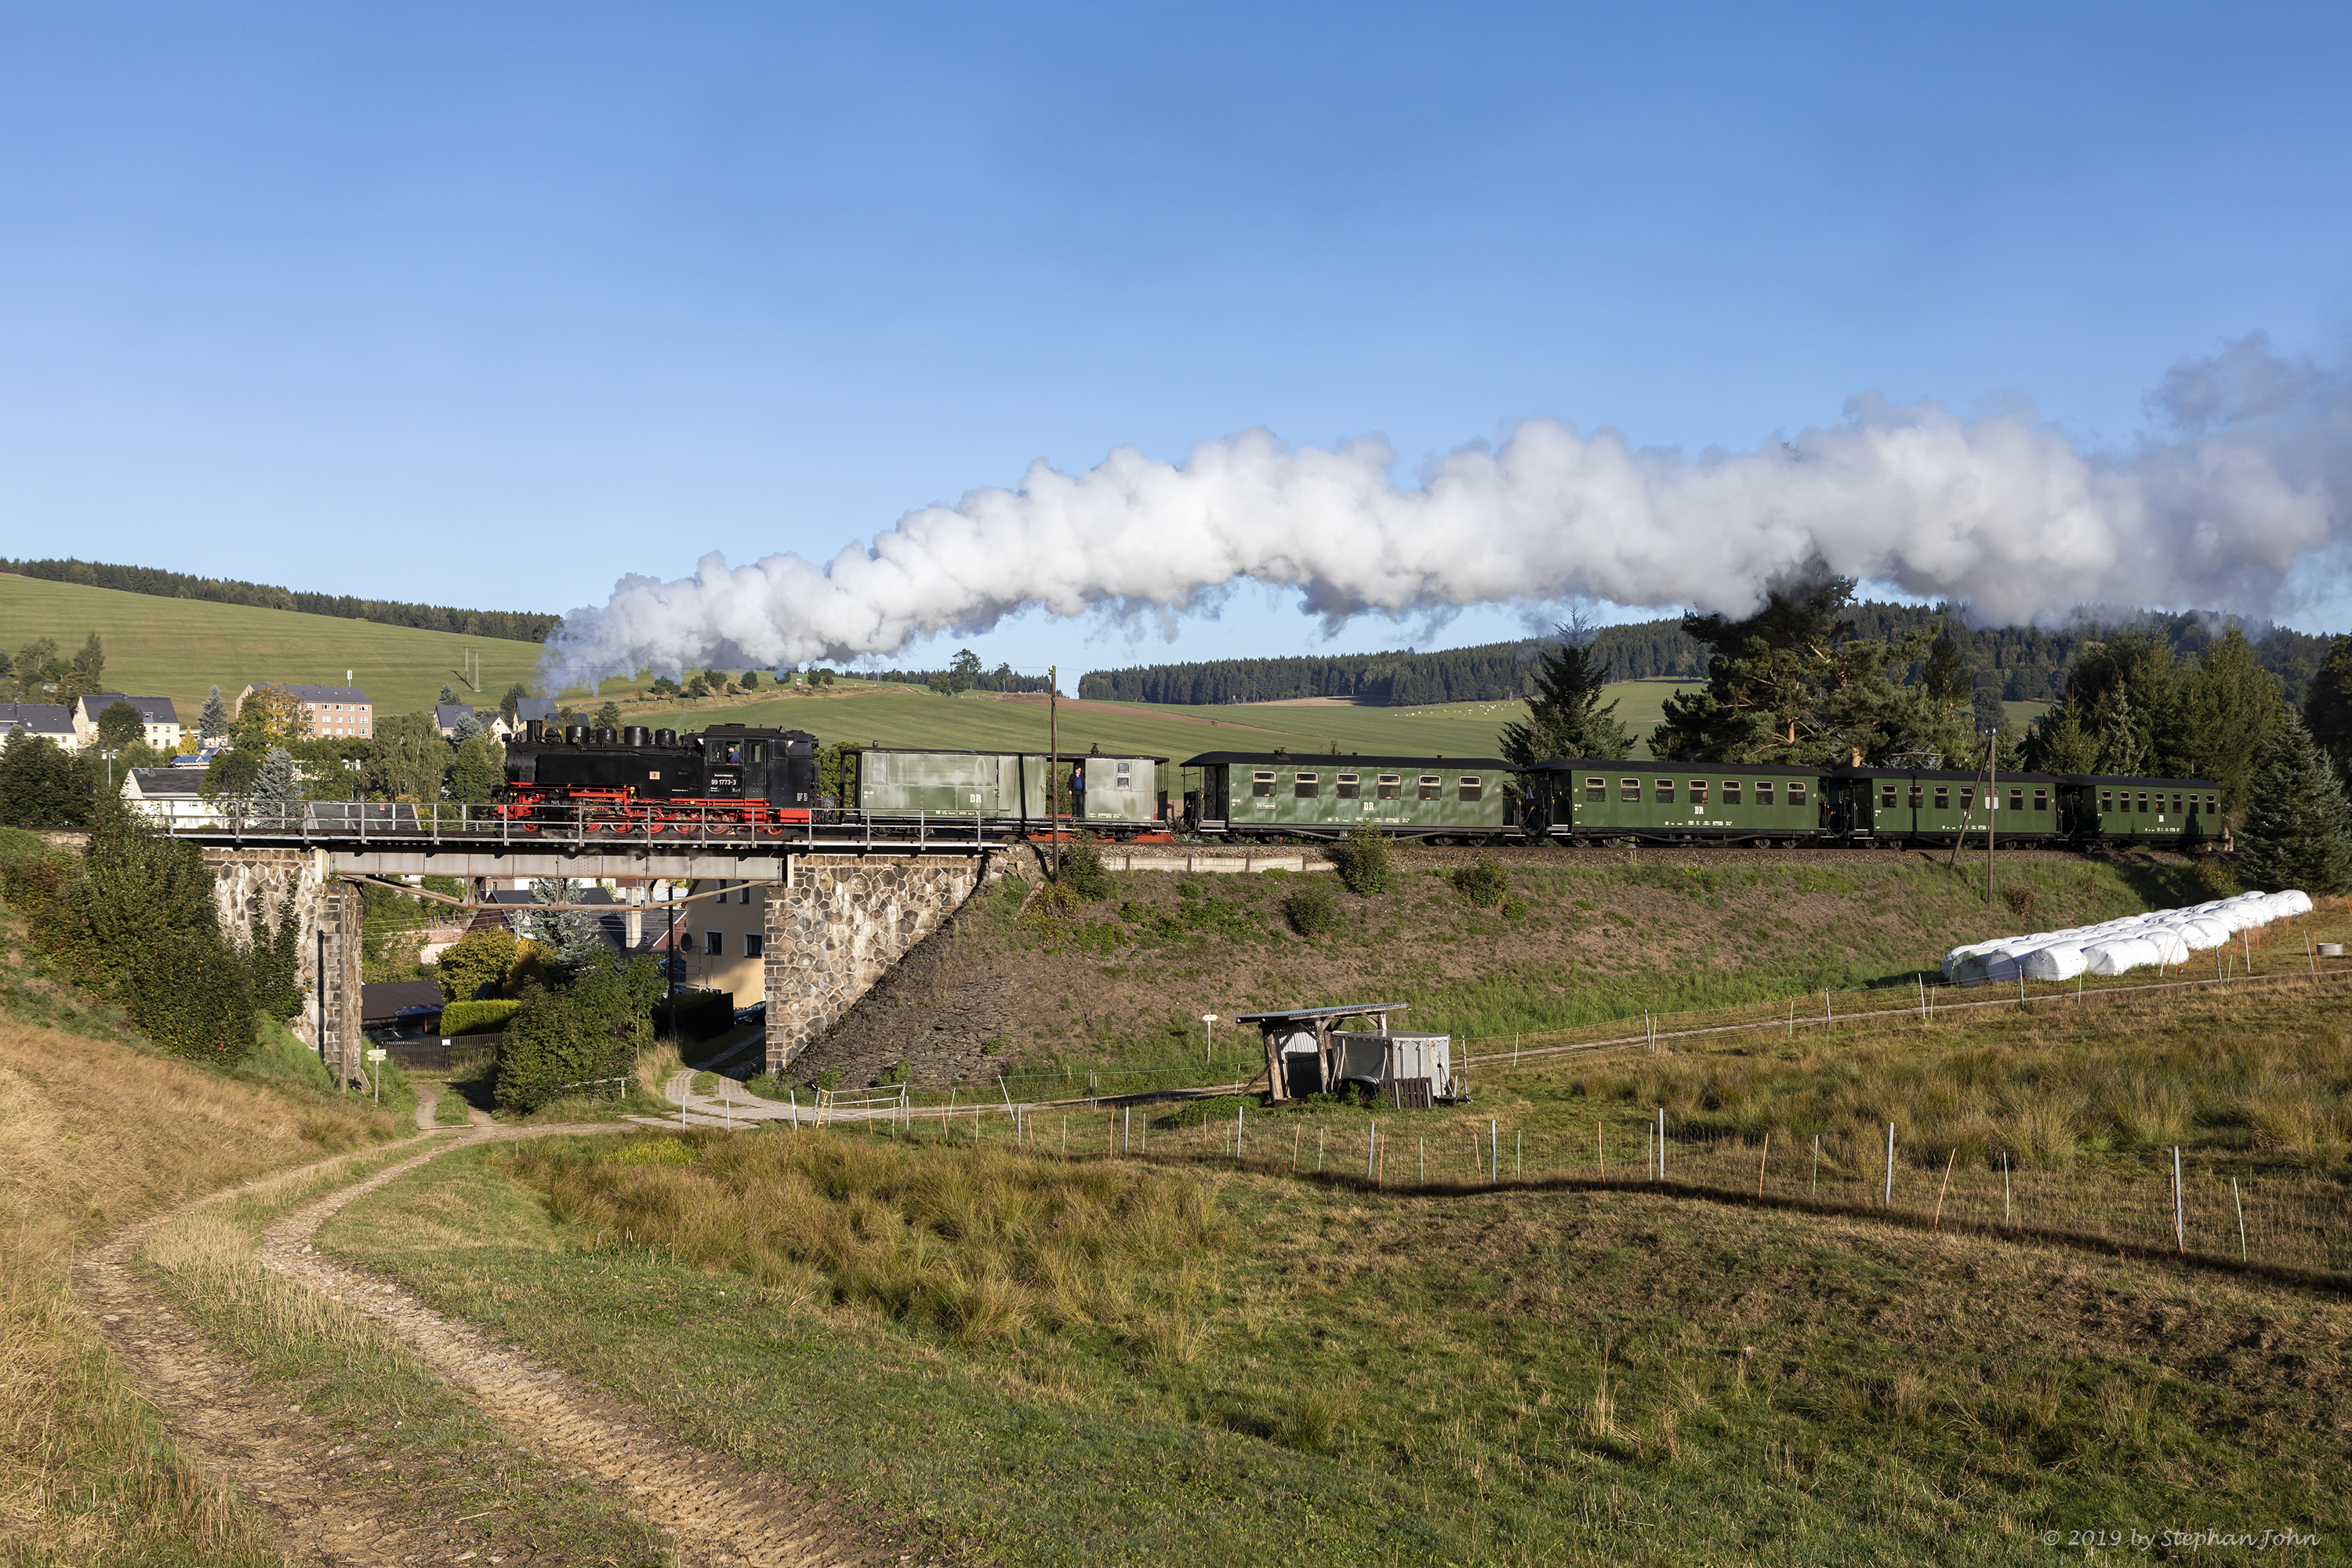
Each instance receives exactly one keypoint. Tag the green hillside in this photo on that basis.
(177, 648)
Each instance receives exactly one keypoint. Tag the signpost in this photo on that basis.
(1209, 1033)
(377, 1057)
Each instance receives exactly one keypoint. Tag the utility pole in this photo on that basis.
(1054, 763)
(1993, 805)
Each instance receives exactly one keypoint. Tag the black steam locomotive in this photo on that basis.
(648, 781)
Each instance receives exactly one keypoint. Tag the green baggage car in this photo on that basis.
(1274, 794)
(1585, 800)
(1119, 797)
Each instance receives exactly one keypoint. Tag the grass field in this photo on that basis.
(178, 647)
(1022, 1359)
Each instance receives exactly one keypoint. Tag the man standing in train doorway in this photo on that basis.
(1079, 791)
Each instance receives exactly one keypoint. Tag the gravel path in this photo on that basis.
(288, 1462)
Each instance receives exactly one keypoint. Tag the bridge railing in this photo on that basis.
(359, 823)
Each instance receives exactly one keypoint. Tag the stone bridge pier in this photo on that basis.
(252, 884)
(837, 922)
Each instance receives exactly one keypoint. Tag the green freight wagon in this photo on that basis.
(1938, 805)
(2182, 812)
(1119, 795)
(1584, 800)
(1258, 795)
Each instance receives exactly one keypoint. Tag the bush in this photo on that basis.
(1364, 863)
(1312, 910)
(483, 1018)
(1483, 884)
(477, 959)
(559, 1041)
(1083, 873)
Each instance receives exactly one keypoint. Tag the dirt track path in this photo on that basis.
(287, 1463)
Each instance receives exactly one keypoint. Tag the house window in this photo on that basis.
(1731, 794)
(1429, 785)
(1596, 791)
(1943, 797)
(1262, 785)
(714, 943)
(1306, 787)
(1796, 795)
(1666, 792)
(744, 895)
(755, 945)
(1629, 790)
(1886, 796)
(1388, 785)
(1469, 789)
(1699, 792)
(1347, 787)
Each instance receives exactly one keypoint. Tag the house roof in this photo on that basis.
(175, 783)
(40, 718)
(449, 715)
(152, 709)
(529, 708)
(390, 998)
(1296, 1013)
(329, 693)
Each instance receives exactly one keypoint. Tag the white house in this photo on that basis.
(51, 721)
(170, 795)
(160, 719)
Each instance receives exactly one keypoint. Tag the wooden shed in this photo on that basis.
(1306, 1053)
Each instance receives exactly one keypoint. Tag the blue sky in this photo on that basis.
(490, 305)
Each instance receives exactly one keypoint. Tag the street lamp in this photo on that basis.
(1209, 1033)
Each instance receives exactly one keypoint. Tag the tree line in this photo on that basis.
(516, 625)
(2014, 664)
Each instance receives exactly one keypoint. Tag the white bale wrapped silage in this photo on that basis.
(2298, 901)
(2059, 961)
(2169, 947)
(2204, 934)
(2121, 955)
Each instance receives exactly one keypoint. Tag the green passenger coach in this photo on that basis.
(1938, 805)
(1245, 794)
(2106, 810)
(1583, 800)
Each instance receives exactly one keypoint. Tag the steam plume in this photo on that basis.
(2001, 512)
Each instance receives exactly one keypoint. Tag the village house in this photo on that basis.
(159, 719)
(50, 721)
(336, 712)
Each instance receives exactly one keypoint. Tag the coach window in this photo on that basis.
(1699, 792)
(1763, 793)
(1470, 789)
(1968, 799)
(1666, 792)
(2017, 800)
(1388, 785)
(1305, 786)
(1796, 795)
(714, 943)
(1429, 785)
(1262, 785)
(2143, 801)
(2209, 805)
(2176, 806)
(2041, 800)
(1345, 789)
(1943, 797)
(1731, 794)
(1886, 797)
(1630, 790)
(1596, 791)
(755, 945)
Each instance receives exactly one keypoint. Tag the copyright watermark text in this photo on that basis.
(2207, 1540)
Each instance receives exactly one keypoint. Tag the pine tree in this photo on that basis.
(1566, 717)
(212, 724)
(2298, 828)
(2327, 708)
(2058, 743)
(2228, 705)
(2122, 753)
(447, 698)
(573, 934)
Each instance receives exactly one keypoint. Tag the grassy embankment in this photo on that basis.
(101, 1130)
(1026, 1359)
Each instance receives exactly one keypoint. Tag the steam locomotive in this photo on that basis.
(649, 782)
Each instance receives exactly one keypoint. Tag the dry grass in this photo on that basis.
(979, 1245)
(98, 1134)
